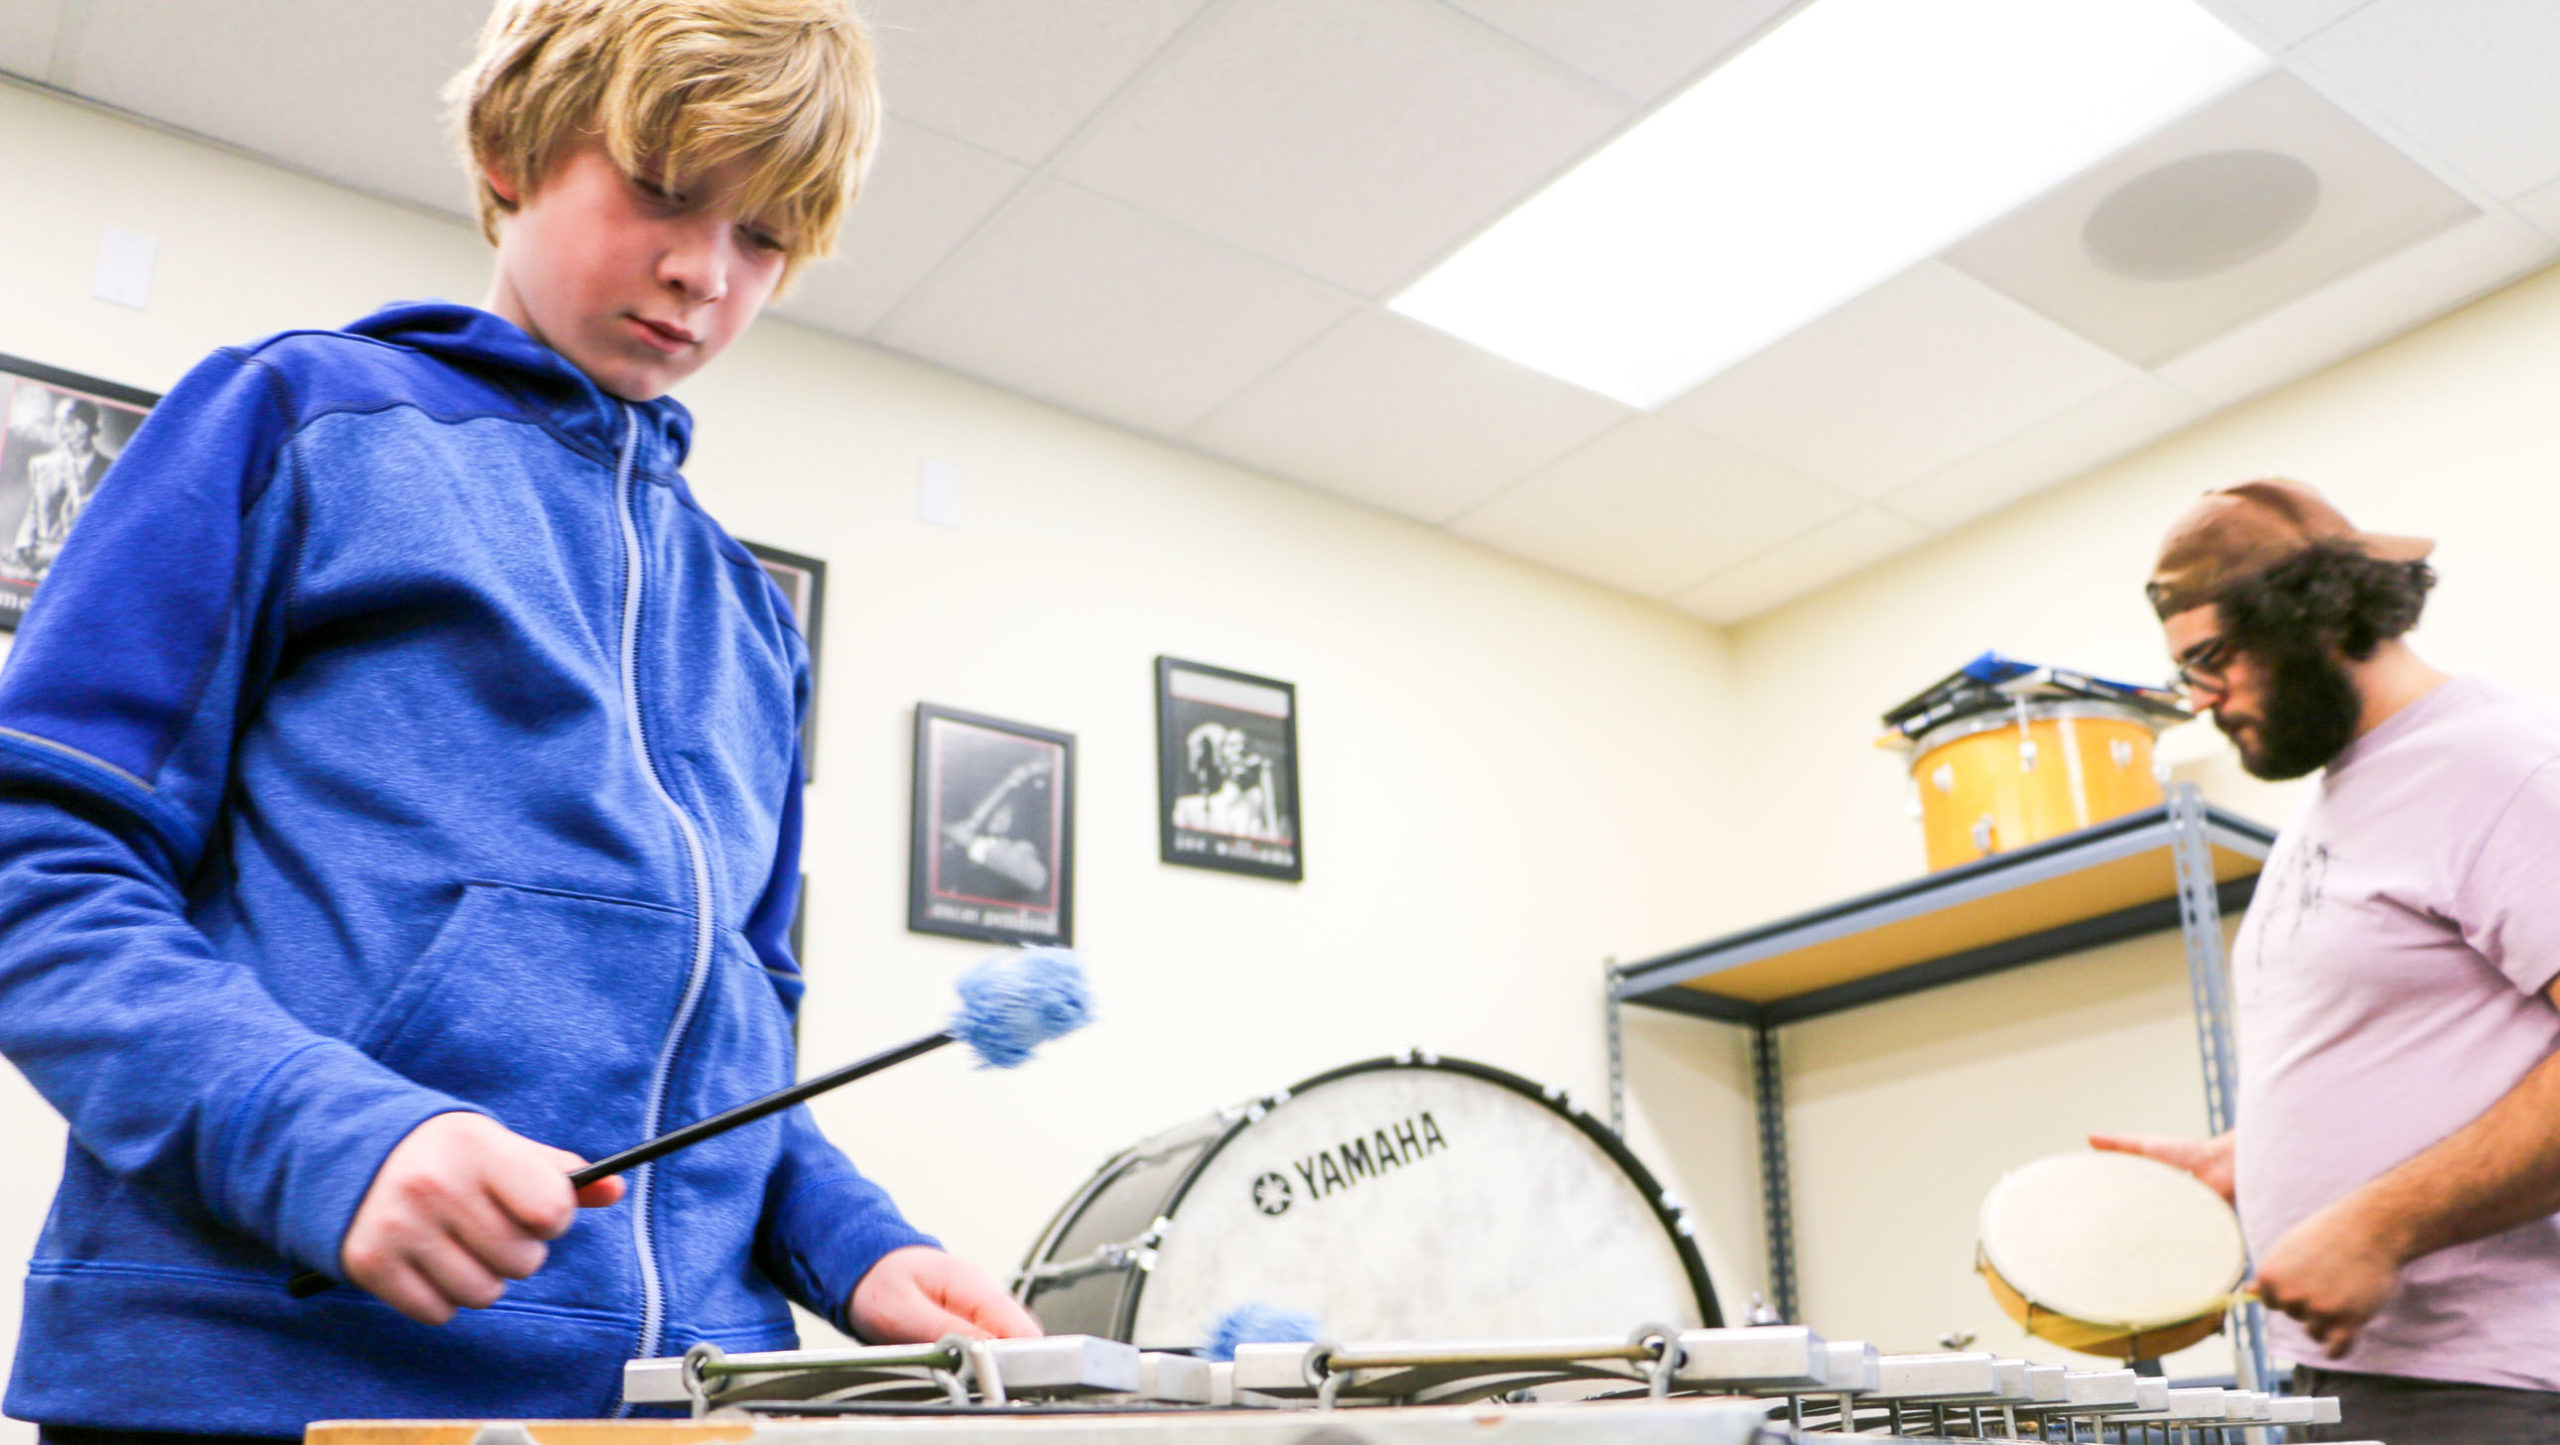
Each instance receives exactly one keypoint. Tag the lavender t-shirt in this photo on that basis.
(2390, 981)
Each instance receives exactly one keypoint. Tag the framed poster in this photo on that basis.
(59, 431)
(803, 581)
(993, 851)
(1227, 771)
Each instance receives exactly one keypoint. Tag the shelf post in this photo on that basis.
(2209, 983)
(1617, 1047)
(1777, 1210)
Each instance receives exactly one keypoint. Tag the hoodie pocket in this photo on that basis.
(547, 1009)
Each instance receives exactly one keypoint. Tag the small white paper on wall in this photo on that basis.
(938, 495)
(125, 259)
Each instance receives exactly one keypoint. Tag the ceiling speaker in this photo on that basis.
(2200, 215)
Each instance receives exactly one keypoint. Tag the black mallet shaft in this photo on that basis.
(312, 1281)
(1010, 1004)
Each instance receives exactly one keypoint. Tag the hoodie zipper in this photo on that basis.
(653, 1301)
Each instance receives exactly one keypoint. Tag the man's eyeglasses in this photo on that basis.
(2202, 665)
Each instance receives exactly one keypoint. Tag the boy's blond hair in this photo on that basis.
(673, 88)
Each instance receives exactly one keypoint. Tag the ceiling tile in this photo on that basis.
(1925, 370)
(1077, 300)
(373, 71)
(1014, 76)
(926, 193)
(1639, 48)
(2283, 23)
(2061, 447)
(1357, 140)
(1403, 417)
(2542, 207)
(2469, 82)
(27, 30)
(2364, 201)
(2361, 311)
(1795, 567)
(1651, 507)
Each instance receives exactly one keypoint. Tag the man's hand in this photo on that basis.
(2206, 1159)
(918, 1294)
(460, 1207)
(2333, 1271)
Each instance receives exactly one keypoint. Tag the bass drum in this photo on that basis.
(1412, 1197)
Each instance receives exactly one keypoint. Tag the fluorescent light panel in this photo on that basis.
(1853, 141)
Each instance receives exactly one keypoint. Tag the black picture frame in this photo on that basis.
(992, 851)
(45, 480)
(803, 581)
(1227, 771)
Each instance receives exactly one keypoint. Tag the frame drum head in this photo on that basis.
(1416, 1199)
(2119, 1246)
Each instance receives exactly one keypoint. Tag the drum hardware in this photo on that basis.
(1189, 1135)
(1138, 1254)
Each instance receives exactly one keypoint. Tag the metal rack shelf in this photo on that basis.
(2111, 881)
(2178, 865)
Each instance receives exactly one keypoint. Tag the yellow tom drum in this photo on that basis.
(2110, 1254)
(2036, 769)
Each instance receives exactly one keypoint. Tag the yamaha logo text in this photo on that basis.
(1321, 1174)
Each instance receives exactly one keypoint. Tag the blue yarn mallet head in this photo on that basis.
(1256, 1323)
(1015, 1001)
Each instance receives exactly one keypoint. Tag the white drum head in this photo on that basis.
(1416, 1203)
(2113, 1238)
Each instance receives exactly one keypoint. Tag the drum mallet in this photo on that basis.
(1010, 1004)
(1256, 1323)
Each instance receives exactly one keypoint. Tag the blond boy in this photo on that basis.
(399, 804)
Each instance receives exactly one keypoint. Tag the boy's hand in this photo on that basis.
(918, 1294)
(463, 1205)
(2207, 1159)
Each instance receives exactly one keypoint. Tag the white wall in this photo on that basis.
(1508, 775)
(1904, 1113)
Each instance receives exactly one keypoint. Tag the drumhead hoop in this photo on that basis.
(1992, 719)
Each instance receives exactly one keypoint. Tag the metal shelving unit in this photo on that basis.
(2179, 865)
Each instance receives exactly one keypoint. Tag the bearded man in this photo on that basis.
(2396, 1163)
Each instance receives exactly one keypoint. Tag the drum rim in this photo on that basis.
(1989, 1264)
(1974, 724)
(1692, 1263)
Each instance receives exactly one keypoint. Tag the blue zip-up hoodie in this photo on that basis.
(396, 735)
